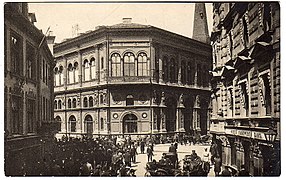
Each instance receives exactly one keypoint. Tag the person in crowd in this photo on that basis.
(127, 158)
(217, 165)
(206, 155)
(172, 148)
(132, 172)
(226, 172)
(142, 146)
(133, 152)
(243, 171)
(149, 154)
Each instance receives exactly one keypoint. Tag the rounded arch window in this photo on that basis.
(70, 68)
(60, 104)
(55, 104)
(129, 100)
(56, 71)
(129, 64)
(92, 61)
(72, 123)
(88, 125)
(90, 101)
(115, 64)
(85, 102)
(74, 103)
(61, 69)
(76, 65)
(86, 63)
(69, 103)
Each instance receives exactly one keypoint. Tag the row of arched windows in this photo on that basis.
(188, 72)
(58, 104)
(129, 65)
(88, 120)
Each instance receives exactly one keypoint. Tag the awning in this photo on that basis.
(227, 69)
(241, 59)
(259, 49)
(214, 74)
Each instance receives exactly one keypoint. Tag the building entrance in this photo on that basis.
(130, 123)
(88, 125)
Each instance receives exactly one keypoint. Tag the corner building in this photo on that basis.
(28, 94)
(131, 79)
(246, 85)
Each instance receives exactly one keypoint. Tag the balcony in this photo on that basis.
(128, 79)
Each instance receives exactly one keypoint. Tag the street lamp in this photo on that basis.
(270, 135)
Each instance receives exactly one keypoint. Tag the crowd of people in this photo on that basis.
(102, 156)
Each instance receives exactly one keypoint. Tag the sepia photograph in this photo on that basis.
(142, 89)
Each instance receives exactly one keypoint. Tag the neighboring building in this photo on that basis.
(246, 84)
(28, 95)
(131, 79)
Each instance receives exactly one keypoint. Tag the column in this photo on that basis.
(151, 61)
(97, 59)
(79, 68)
(155, 119)
(160, 69)
(180, 71)
(65, 72)
(163, 121)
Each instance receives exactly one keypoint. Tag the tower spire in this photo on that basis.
(200, 31)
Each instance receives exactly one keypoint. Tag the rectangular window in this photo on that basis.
(17, 115)
(43, 70)
(16, 53)
(31, 116)
(31, 61)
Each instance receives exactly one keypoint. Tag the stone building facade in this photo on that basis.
(131, 79)
(246, 84)
(28, 95)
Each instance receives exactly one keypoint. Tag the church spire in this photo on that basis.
(200, 31)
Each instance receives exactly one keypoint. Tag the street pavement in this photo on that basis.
(159, 149)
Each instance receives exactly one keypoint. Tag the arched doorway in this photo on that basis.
(88, 124)
(171, 104)
(130, 123)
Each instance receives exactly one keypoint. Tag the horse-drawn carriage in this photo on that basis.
(194, 166)
(167, 166)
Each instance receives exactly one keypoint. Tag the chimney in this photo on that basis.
(51, 41)
(126, 20)
(32, 17)
(200, 31)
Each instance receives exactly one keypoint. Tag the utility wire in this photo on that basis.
(110, 13)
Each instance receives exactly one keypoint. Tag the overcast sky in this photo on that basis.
(61, 17)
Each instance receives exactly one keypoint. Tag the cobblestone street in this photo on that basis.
(163, 148)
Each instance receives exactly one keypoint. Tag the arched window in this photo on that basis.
(199, 75)
(59, 121)
(100, 99)
(69, 103)
(90, 102)
(72, 124)
(129, 100)
(183, 72)
(70, 74)
(88, 125)
(165, 69)
(55, 104)
(60, 104)
(142, 64)
(61, 76)
(85, 102)
(86, 70)
(76, 72)
(57, 77)
(93, 68)
(130, 123)
(129, 64)
(172, 70)
(74, 103)
(189, 73)
(115, 65)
